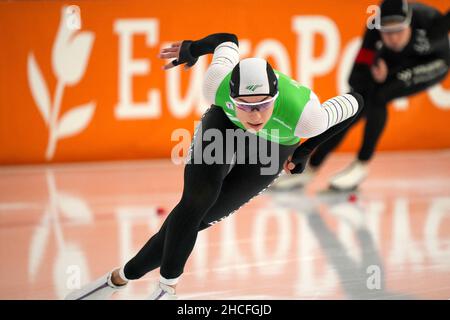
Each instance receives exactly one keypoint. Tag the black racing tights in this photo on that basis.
(211, 192)
(406, 81)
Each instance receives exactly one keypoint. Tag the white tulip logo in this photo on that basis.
(70, 55)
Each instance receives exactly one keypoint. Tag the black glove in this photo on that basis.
(300, 158)
(185, 55)
(191, 50)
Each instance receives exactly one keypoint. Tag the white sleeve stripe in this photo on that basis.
(346, 109)
(353, 110)
(328, 109)
(336, 113)
(354, 107)
(343, 109)
(316, 118)
(226, 54)
(232, 45)
(328, 118)
(219, 60)
(332, 111)
(229, 50)
(338, 110)
(349, 109)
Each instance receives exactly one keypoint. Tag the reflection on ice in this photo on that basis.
(64, 226)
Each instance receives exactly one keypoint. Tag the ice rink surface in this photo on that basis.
(61, 225)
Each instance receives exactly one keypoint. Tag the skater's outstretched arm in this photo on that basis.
(338, 113)
(225, 47)
(188, 51)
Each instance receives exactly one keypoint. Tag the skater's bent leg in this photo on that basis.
(375, 124)
(184, 222)
(178, 233)
(237, 186)
(243, 183)
(202, 183)
(149, 256)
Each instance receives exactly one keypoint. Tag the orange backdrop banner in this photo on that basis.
(92, 88)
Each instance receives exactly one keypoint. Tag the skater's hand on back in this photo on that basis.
(179, 51)
(379, 71)
(171, 52)
(289, 165)
(296, 163)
